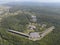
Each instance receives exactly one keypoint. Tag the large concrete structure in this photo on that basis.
(44, 33)
(35, 35)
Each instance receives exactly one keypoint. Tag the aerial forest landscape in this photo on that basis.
(29, 23)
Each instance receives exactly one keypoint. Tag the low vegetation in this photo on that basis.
(18, 23)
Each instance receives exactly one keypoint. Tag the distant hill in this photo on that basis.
(33, 4)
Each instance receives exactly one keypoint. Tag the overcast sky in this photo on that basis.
(4, 1)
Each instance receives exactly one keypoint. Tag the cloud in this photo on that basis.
(31, 0)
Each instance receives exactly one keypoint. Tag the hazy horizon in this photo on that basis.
(42, 1)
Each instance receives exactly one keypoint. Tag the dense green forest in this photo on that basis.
(18, 23)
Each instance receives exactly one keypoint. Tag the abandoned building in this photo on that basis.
(32, 27)
(33, 18)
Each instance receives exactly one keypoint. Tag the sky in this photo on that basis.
(5, 1)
